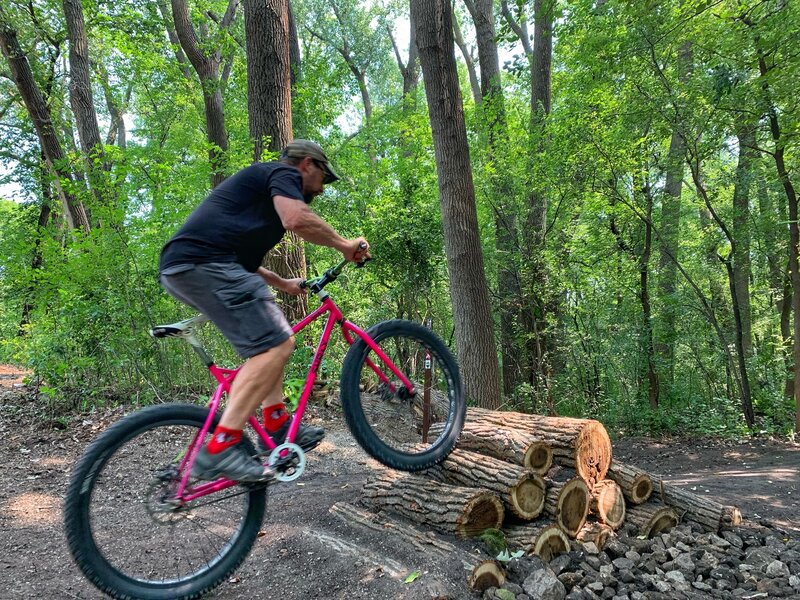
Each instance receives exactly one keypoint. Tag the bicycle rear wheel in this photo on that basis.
(126, 536)
(409, 430)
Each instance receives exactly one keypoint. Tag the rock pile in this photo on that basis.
(687, 563)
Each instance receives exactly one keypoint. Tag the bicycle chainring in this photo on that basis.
(288, 460)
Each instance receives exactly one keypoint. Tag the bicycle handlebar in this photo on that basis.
(316, 285)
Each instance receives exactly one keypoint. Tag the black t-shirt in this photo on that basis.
(237, 222)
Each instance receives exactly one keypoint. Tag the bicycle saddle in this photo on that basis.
(180, 329)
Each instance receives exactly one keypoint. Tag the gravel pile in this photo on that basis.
(686, 563)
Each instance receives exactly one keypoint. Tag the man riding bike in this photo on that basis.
(213, 264)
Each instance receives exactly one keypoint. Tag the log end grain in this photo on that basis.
(653, 518)
(641, 489)
(485, 575)
(731, 515)
(599, 533)
(636, 484)
(608, 503)
(593, 452)
(573, 506)
(538, 457)
(484, 511)
(527, 497)
(551, 542)
(663, 522)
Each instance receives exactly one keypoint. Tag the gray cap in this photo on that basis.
(303, 148)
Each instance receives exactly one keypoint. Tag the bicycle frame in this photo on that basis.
(226, 376)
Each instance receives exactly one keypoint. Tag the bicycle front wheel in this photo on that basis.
(406, 429)
(124, 530)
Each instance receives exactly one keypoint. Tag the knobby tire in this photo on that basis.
(78, 526)
(353, 397)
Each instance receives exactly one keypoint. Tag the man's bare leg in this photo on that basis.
(260, 377)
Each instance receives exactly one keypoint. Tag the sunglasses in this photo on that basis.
(329, 177)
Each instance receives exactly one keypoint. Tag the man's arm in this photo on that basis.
(296, 216)
(289, 286)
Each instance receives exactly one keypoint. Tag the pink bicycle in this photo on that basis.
(184, 537)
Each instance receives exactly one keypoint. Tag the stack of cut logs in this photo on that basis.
(542, 481)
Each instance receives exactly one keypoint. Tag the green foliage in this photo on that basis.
(76, 308)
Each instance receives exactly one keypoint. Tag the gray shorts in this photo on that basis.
(237, 301)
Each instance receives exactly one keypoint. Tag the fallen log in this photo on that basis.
(545, 540)
(592, 531)
(693, 507)
(567, 503)
(652, 518)
(461, 511)
(608, 503)
(636, 484)
(582, 444)
(510, 445)
(521, 490)
(482, 573)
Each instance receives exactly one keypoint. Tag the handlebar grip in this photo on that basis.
(363, 245)
(303, 284)
(361, 264)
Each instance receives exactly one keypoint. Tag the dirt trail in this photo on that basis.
(305, 552)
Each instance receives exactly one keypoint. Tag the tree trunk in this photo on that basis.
(636, 484)
(269, 109)
(794, 235)
(670, 238)
(29, 297)
(505, 212)
(469, 291)
(207, 68)
(746, 136)
(521, 491)
(116, 109)
(668, 274)
(741, 373)
(538, 304)
(74, 212)
(269, 103)
(582, 444)
(653, 388)
(717, 298)
(460, 511)
(295, 59)
(474, 84)
(81, 99)
(169, 24)
(744, 377)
